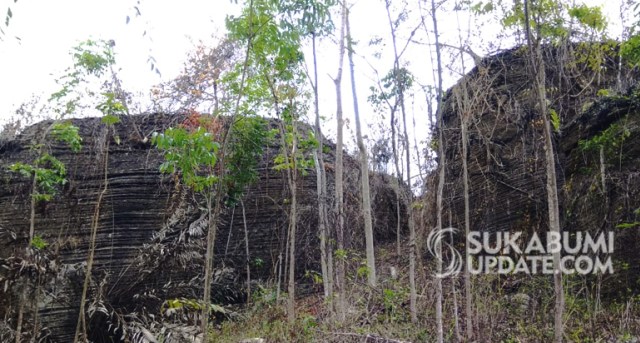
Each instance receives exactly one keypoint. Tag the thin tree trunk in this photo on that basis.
(208, 260)
(226, 248)
(603, 173)
(211, 234)
(291, 173)
(400, 85)
(454, 293)
(364, 168)
(456, 316)
(321, 187)
(467, 228)
(322, 228)
(339, 196)
(464, 108)
(441, 176)
(21, 314)
(32, 216)
(537, 62)
(92, 247)
(412, 231)
(32, 220)
(36, 299)
(292, 224)
(396, 183)
(246, 248)
(279, 277)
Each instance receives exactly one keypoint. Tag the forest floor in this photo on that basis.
(506, 310)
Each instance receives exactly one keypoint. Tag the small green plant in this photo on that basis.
(174, 305)
(555, 119)
(309, 323)
(610, 139)
(264, 296)
(249, 136)
(110, 119)
(38, 242)
(363, 271)
(392, 300)
(111, 107)
(313, 275)
(49, 173)
(257, 262)
(591, 17)
(341, 254)
(68, 133)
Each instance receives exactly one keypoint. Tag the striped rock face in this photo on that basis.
(150, 230)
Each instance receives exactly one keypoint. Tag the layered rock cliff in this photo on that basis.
(597, 104)
(150, 238)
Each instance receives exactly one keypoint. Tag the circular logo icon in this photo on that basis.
(439, 242)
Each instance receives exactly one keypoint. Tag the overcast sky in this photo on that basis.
(48, 30)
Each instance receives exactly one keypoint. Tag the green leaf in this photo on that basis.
(68, 133)
(591, 17)
(110, 119)
(630, 50)
(38, 243)
(341, 254)
(193, 154)
(627, 225)
(555, 119)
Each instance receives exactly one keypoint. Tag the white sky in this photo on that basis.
(48, 30)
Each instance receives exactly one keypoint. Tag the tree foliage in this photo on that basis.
(249, 136)
(49, 173)
(191, 153)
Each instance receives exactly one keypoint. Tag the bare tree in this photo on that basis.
(339, 188)
(539, 76)
(441, 172)
(364, 168)
(326, 260)
(402, 80)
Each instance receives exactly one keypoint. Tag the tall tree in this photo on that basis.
(244, 33)
(364, 166)
(441, 171)
(275, 85)
(539, 76)
(465, 113)
(339, 182)
(402, 81)
(311, 18)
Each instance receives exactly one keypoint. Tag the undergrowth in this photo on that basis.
(506, 308)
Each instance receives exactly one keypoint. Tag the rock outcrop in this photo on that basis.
(150, 238)
(506, 156)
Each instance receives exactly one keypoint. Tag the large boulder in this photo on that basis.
(506, 156)
(151, 230)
